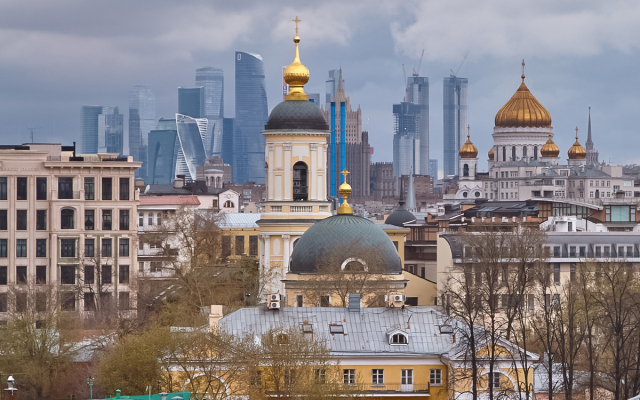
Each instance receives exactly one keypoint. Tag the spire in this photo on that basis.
(522, 71)
(296, 74)
(411, 193)
(589, 129)
(345, 191)
(340, 88)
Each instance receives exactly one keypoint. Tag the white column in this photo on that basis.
(285, 253)
(312, 179)
(265, 264)
(270, 161)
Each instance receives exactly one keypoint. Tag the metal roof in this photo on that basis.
(238, 220)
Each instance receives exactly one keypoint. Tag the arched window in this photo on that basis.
(465, 170)
(504, 153)
(140, 219)
(399, 338)
(228, 204)
(150, 219)
(354, 265)
(66, 218)
(535, 152)
(524, 151)
(159, 218)
(300, 188)
(218, 182)
(513, 153)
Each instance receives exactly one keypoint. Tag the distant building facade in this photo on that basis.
(382, 181)
(191, 102)
(162, 156)
(433, 168)
(212, 81)
(454, 121)
(251, 116)
(331, 85)
(142, 120)
(215, 172)
(102, 130)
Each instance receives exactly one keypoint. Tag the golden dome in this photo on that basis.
(491, 154)
(345, 190)
(577, 152)
(550, 149)
(296, 74)
(523, 110)
(468, 150)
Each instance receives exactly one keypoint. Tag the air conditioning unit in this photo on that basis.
(395, 299)
(274, 297)
(399, 297)
(273, 301)
(274, 305)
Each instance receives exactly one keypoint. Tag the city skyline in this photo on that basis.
(568, 73)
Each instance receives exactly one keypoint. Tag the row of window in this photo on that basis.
(67, 302)
(65, 188)
(68, 248)
(239, 245)
(349, 377)
(67, 219)
(619, 251)
(68, 274)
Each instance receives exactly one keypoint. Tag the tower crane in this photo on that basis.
(417, 73)
(454, 74)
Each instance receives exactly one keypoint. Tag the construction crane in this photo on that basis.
(406, 85)
(417, 73)
(31, 129)
(454, 74)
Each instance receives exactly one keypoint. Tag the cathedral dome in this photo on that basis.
(400, 216)
(491, 154)
(340, 239)
(577, 152)
(523, 110)
(296, 115)
(468, 150)
(550, 149)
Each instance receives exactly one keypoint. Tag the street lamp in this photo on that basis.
(90, 383)
(10, 383)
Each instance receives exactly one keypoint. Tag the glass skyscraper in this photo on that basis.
(331, 85)
(418, 96)
(212, 80)
(191, 153)
(102, 130)
(163, 156)
(142, 116)
(411, 130)
(191, 102)
(90, 129)
(433, 168)
(455, 121)
(251, 116)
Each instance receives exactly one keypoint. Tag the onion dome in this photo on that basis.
(523, 110)
(400, 216)
(550, 149)
(345, 190)
(577, 152)
(468, 150)
(296, 74)
(491, 154)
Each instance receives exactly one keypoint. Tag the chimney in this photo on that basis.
(354, 302)
(178, 183)
(214, 318)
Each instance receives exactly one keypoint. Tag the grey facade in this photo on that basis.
(406, 140)
(212, 81)
(454, 121)
(418, 95)
(162, 158)
(110, 131)
(251, 116)
(191, 102)
(227, 140)
(90, 128)
(142, 119)
(433, 168)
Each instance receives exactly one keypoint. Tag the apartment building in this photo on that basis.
(67, 227)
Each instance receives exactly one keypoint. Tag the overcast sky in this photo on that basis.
(56, 56)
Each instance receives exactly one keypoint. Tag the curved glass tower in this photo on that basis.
(191, 146)
(251, 116)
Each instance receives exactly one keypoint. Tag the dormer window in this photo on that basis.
(397, 338)
(336, 329)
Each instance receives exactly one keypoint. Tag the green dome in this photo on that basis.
(400, 216)
(341, 238)
(296, 115)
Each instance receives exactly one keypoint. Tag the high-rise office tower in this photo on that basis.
(191, 102)
(251, 116)
(191, 151)
(331, 85)
(90, 128)
(163, 156)
(142, 119)
(411, 130)
(433, 168)
(212, 80)
(102, 130)
(592, 153)
(227, 140)
(454, 121)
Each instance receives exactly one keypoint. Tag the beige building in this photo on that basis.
(67, 223)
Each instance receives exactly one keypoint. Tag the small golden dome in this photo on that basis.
(577, 152)
(468, 150)
(296, 74)
(491, 154)
(523, 110)
(550, 149)
(345, 190)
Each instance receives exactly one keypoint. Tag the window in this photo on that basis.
(239, 245)
(67, 247)
(89, 302)
(106, 274)
(65, 188)
(3, 302)
(21, 220)
(228, 204)
(141, 219)
(41, 274)
(123, 274)
(253, 245)
(349, 376)
(66, 218)
(377, 376)
(3, 275)
(406, 377)
(156, 266)
(598, 251)
(41, 247)
(3, 220)
(21, 247)
(67, 301)
(21, 302)
(123, 247)
(124, 220)
(399, 338)
(159, 219)
(89, 274)
(494, 380)
(89, 188)
(320, 376)
(556, 251)
(67, 274)
(41, 302)
(41, 188)
(89, 220)
(3, 248)
(300, 187)
(226, 246)
(106, 247)
(583, 251)
(21, 275)
(289, 378)
(556, 274)
(435, 377)
(124, 188)
(255, 379)
(572, 250)
(336, 328)
(106, 220)
(629, 251)
(21, 188)
(89, 248)
(325, 301)
(41, 220)
(106, 188)
(3, 188)
(607, 251)
(123, 300)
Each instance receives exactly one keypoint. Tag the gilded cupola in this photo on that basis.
(523, 110)
(577, 152)
(550, 149)
(491, 154)
(296, 74)
(468, 150)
